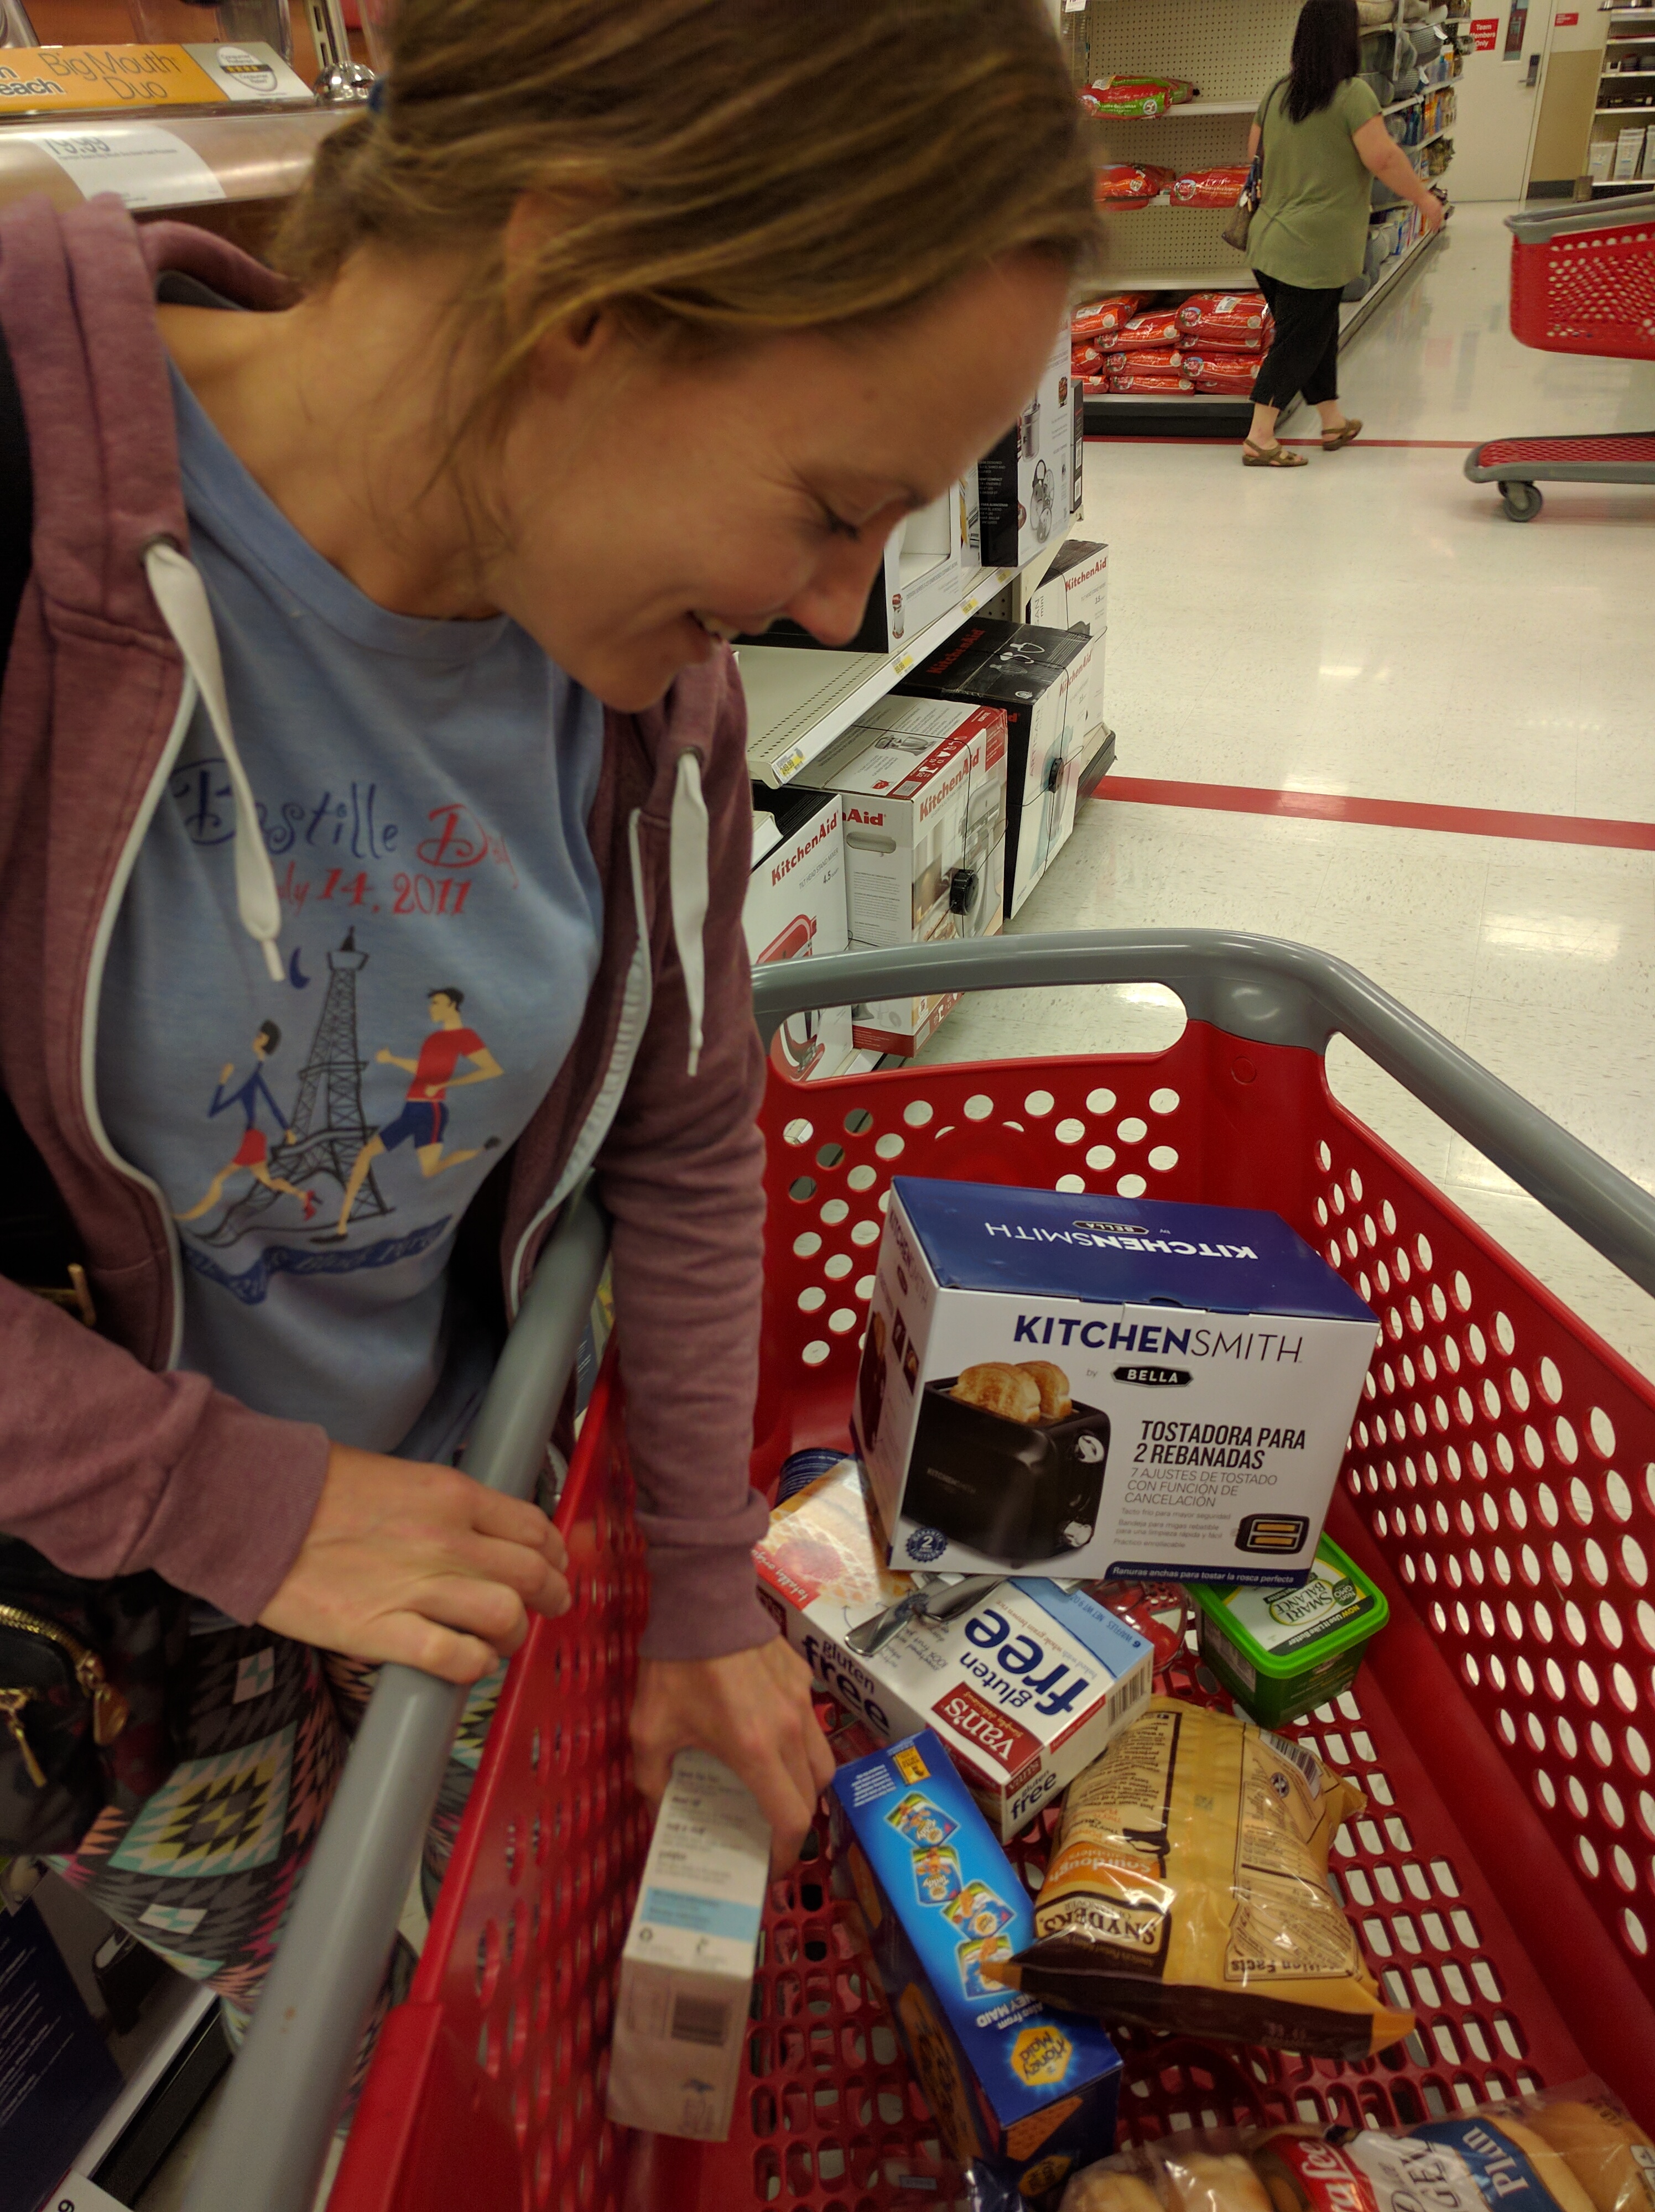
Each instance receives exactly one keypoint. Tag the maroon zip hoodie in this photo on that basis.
(111, 1459)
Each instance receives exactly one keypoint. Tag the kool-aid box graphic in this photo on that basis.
(1052, 1385)
(1029, 2090)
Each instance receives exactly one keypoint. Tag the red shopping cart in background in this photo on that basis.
(1583, 281)
(1500, 1485)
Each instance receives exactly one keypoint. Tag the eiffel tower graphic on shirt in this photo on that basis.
(329, 1126)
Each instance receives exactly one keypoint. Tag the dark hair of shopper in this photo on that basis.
(1327, 48)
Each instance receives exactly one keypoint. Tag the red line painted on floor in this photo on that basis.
(1385, 813)
(1412, 445)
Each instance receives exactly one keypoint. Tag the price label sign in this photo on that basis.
(149, 167)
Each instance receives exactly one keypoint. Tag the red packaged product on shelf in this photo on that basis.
(1224, 318)
(1130, 184)
(1159, 329)
(1088, 361)
(1154, 361)
(1128, 382)
(1135, 95)
(1218, 371)
(1209, 187)
(1099, 316)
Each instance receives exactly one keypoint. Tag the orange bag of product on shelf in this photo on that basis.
(1154, 361)
(1219, 372)
(1098, 317)
(1209, 187)
(1225, 318)
(1159, 329)
(1131, 184)
(1129, 382)
(1088, 361)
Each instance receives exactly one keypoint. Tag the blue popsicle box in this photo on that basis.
(1030, 2092)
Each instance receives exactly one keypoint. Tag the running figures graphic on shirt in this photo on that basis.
(252, 1154)
(423, 1119)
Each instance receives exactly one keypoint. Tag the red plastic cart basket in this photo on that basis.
(1500, 1485)
(1583, 281)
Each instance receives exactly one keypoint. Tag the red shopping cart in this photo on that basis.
(1499, 1485)
(1583, 281)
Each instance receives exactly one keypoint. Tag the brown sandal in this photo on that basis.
(1332, 439)
(1269, 457)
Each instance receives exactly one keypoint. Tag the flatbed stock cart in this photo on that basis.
(1583, 281)
(1499, 1485)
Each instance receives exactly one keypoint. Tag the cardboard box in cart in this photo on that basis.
(1042, 680)
(1090, 1386)
(923, 787)
(1025, 1687)
(795, 910)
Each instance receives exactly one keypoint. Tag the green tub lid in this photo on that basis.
(1283, 1631)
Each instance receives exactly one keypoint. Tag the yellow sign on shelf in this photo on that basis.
(139, 80)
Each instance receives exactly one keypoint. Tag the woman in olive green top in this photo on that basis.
(1324, 138)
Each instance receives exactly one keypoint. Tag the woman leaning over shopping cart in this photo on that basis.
(375, 826)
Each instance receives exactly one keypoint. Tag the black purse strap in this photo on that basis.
(39, 1247)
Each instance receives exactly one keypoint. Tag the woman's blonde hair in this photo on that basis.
(718, 168)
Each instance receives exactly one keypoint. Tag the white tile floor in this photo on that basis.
(1373, 625)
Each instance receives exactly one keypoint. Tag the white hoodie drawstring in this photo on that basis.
(181, 597)
(687, 878)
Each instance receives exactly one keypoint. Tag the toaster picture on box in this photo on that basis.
(1016, 1491)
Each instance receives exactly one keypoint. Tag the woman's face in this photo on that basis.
(654, 505)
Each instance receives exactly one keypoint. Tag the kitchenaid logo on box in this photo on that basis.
(1117, 1240)
(865, 816)
(829, 824)
(997, 1738)
(973, 634)
(933, 799)
(1208, 1342)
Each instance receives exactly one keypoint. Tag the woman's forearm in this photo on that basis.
(1400, 175)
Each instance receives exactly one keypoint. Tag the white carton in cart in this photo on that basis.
(1025, 1687)
(1087, 1386)
(795, 910)
(923, 787)
(687, 1968)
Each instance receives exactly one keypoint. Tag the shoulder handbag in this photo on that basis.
(89, 1669)
(1235, 233)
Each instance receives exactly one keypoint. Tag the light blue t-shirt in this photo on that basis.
(422, 790)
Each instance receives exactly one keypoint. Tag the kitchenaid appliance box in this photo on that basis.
(1092, 1387)
(1025, 482)
(795, 908)
(923, 787)
(921, 580)
(1075, 596)
(1042, 680)
(1027, 1683)
(1029, 2090)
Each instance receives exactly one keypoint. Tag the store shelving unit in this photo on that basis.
(1234, 51)
(799, 700)
(1609, 117)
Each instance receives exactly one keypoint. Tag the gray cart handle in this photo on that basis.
(1538, 226)
(1269, 991)
(269, 2139)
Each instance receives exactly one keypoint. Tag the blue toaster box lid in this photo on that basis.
(950, 1901)
(1109, 1251)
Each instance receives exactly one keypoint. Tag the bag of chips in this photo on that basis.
(1098, 317)
(1571, 2149)
(1131, 184)
(1135, 95)
(1209, 187)
(1223, 316)
(1189, 1891)
(1159, 328)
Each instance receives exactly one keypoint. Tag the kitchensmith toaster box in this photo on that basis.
(1091, 1387)
(1030, 2092)
(1027, 1683)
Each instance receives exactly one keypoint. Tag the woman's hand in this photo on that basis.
(421, 1565)
(1433, 211)
(751, 1709)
